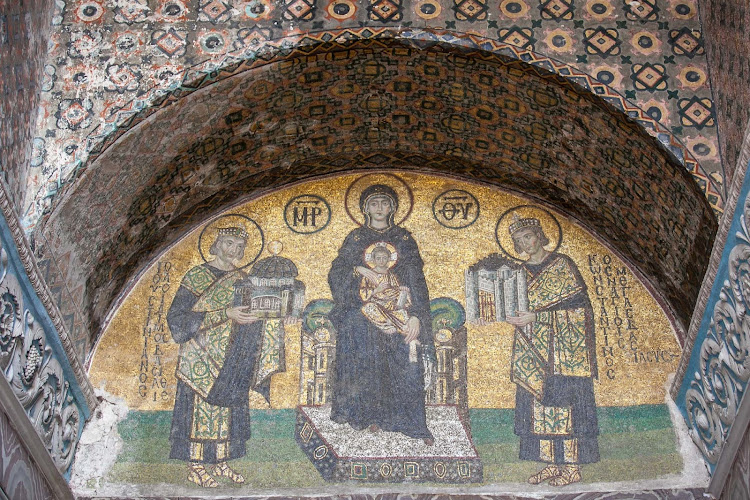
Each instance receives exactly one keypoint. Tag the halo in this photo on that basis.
(549, 224)
(254, 242)
(368, 254)
(354, 191)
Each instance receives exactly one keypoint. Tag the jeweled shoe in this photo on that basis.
(568, 475)
(224, 470)
(200, 476)
(549, 472)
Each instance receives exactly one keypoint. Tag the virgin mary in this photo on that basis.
(376, 384)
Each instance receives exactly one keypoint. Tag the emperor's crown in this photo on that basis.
(520, 223)
(239, 232)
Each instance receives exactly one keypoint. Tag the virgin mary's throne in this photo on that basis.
(341, 453)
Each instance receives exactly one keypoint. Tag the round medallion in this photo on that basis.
(89, 11)
(307, 214)
(428, 9)
(455, 209)
(341, 9)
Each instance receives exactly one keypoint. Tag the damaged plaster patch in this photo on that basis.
(694, 468)
(100, 442)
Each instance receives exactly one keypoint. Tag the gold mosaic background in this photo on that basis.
(145, 377)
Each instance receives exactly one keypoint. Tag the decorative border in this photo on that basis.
(332, 467)
(39, 288)
(709, 278)
(663, 494)
(710, 399)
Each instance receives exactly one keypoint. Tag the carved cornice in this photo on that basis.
(40, 288)
(713, 398)
(714, 262)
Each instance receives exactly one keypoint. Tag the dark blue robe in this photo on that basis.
(373, 380)
(231, 388)
(573, 392)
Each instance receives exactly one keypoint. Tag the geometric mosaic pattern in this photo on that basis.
(642, 10)
(470, 10)
(561, 10)
(649, 77)
(299, 10)
(385, 11)
(655, 45)
(24, 35)
(602, 42)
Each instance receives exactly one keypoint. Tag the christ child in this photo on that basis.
(385, 301)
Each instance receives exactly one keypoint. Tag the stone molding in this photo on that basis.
(712, 396)
(714, 393)
(717, 252)
(721, 413)
(42, 292)
(44, 389)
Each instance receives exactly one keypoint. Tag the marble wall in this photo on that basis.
(20, 478)
(738, 483)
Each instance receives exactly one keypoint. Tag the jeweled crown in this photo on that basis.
(520, 223)
(239, 232)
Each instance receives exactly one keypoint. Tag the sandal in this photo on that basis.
(224, 470)
(568, 475)
(200, 476)
(549, 472)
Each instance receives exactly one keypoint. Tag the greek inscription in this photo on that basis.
(307, 213)
(615, 321)
(455, 209)
(152, 384)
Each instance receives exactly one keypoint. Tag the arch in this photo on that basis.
(209, 73)
(481, 116)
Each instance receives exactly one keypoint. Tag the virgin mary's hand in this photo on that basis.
(412, 329)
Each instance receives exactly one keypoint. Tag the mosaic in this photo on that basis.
(725, 23)
(376, 104)
(386, 343)
(24, 33)
(124, 55)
